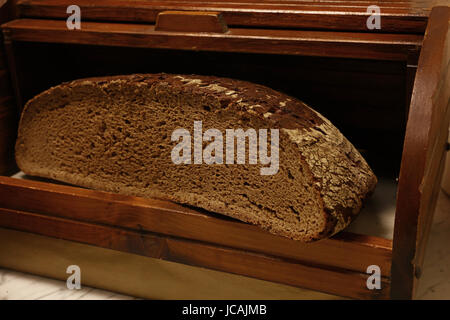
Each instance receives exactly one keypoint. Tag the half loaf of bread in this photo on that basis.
(116, 134)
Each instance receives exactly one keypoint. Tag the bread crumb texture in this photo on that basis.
(114, 134)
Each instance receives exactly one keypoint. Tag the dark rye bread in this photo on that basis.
(114, 134)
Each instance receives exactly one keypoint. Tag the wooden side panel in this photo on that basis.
(135, 275)
(423, 155)
(334, 281)
(345, 251)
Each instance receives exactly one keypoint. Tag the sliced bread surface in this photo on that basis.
(116, 134)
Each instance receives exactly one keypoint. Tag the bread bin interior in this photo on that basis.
(365, 99)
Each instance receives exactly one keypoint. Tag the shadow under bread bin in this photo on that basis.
(386, 90)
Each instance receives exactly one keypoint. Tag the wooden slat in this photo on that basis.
(310, 43)
(135, 275)
(423, 152)
(346, 251)
(340, 282)
(403, 17)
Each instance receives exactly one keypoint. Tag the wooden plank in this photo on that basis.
(408, 17)
(420, 172)
(135, 275)
(291, 42)
(340, 282)
(346, 251)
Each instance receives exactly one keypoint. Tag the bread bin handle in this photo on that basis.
(191, 21)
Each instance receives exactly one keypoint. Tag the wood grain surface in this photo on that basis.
(346, 250)
(423, 155)
(135, 275)
(274, 41)
(330, 280)
(397, 16)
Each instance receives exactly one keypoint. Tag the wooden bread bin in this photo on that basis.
(386, 89)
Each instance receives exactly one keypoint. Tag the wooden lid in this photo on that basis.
(397, 16)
